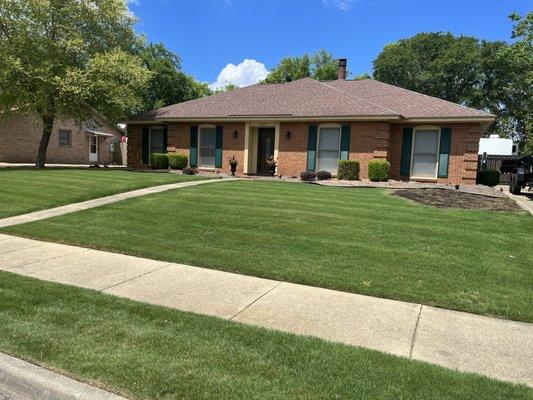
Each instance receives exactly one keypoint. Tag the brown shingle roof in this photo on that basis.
(310, 98)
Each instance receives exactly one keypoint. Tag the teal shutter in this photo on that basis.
(444, 151)
(165, 139)
(218, 146)
(193, 154)
(145, 152)
(407, 141)
(345, 141)
(311, 147)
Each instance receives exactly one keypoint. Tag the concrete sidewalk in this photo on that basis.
(84, 205)
(20, 380)
(524, 199)
(494, 347)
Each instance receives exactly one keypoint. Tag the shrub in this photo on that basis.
(348, 169)
(490, 177)
(308, 176)
(159, 160)
(378, 170)
(177, 161)
(189, 171)
(323, 175)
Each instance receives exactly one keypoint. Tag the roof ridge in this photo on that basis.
(427, 95)
(361, 99)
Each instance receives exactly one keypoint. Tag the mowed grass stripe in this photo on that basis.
(24, 191)
(147, 352)
(357, 240)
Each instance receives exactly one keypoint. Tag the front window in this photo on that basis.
(329, 141)
(157, 144)
(64, 138)
(207, 147)
(425, 153)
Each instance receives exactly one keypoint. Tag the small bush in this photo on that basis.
(308, 176)
(177, 161)
(490, 177)
(378, 170)
(348, 170)
(323, 175)
(189, 171)
(159, 160)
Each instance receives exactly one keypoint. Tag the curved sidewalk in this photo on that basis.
(84, 205)
(497, 348)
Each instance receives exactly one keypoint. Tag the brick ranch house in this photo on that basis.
(96, 140)
(309, 125)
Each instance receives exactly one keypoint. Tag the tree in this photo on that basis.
(495, 76)
(228, 88)
(436, 64)
(321, 66)
(168, 84)
(61, 59)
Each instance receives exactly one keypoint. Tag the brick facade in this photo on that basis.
(369, 140)
(20, 135)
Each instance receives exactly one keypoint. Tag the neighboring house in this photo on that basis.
(494, 145)
(94, 141)
(310, 125)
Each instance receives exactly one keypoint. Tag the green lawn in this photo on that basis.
(148, 352)
(356, 240)
(27, 190)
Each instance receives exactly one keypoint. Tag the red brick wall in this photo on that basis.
(369, 140)
(20, 135)
(462, 165)
(179, 141)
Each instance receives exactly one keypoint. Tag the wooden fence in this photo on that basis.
(485, 162)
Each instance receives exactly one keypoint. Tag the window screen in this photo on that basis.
(156, 140)
(328, 149)
(207, 147)
(425, 154)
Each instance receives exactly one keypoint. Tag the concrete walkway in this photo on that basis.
(20, 380)
(497, 348)
(84, 205)
(524, 199)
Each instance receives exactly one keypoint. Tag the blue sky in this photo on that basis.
(210, 34)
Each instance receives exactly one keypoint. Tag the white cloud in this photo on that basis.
(343, 5)
(247, 73)
(136, 2)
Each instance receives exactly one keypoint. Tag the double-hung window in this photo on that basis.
(65, 138)
(329, 142)
(157, 142)
(425, 157)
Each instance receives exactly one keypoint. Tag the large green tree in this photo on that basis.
(495, 76)
(64, 58)
(168, 84)
(321, 66)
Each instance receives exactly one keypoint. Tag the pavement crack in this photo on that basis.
(135, 277)
(414, 332)
(253, 302)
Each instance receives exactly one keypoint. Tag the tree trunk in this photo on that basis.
(48, 123)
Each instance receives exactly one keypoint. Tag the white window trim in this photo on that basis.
(425, 128)
(69, 138)
(206, 126)
(320, 127)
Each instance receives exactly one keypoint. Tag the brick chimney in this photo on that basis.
(342, 68)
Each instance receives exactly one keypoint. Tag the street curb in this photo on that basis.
(35, 382)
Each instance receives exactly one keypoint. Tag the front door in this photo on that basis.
(265, 149)
(93, 149)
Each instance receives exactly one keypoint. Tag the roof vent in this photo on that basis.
(342, 68)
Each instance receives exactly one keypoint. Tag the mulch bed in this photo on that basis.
(444, 198)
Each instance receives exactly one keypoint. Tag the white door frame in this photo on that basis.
(93, 157)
